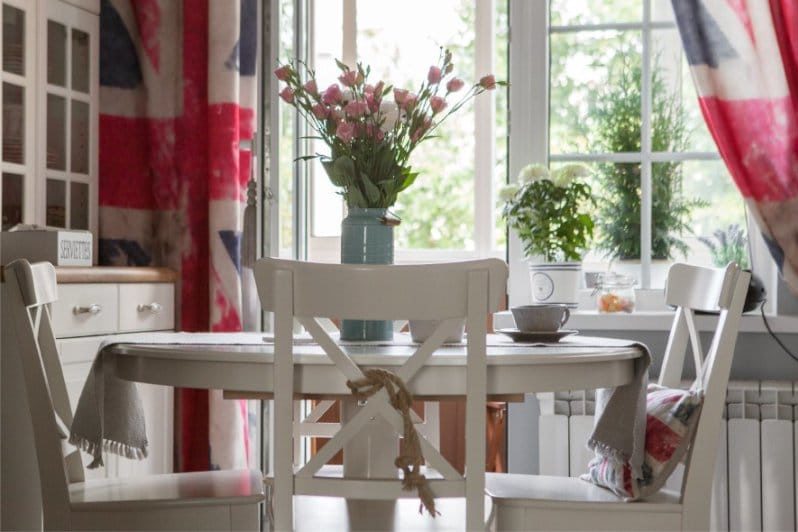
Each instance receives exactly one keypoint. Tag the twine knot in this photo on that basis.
(410, 457)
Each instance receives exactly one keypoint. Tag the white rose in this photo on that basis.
(569, 173)
(533, 172)
(507, 193)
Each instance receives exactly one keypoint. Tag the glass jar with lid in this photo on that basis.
(615, 293)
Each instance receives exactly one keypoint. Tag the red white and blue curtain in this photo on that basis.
(744, 59)
(177, 99)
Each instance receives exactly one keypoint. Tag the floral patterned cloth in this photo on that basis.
(177, 99)
(671, 419)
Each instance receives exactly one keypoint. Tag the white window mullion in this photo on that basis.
(645, 145)
(484, 130)
(529, 113)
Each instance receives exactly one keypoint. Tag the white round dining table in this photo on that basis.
(248, 367)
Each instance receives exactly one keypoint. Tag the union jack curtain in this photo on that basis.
(177, 98)
(744, 60)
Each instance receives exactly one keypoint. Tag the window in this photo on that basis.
(621, 100)
(450, 212)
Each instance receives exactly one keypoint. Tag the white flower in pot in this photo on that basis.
(549, 212)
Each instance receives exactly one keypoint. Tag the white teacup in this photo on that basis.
(542, 318)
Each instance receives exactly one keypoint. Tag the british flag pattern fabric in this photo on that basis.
(744, 60)
(177, 100)
(671, 418)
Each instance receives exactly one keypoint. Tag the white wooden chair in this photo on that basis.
(217, 500)
(448, 292)
(527, 502)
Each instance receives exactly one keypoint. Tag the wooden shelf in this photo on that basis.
(111, 274)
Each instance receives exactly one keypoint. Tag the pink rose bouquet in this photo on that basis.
(372, 128)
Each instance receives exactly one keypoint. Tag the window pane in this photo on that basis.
(12, 200)
(595, 92)
(80, 61)
(616, 214)
(718, 228)
(438, 210)
(577, 12)
(13, 40)
(56, 53)
(79, 205)
(79, 138)
(502, 72)
(673, 92)
(662, 11)
(13, 123)
(327, 207)
(286, 144)
(56, 203)
(56, 132)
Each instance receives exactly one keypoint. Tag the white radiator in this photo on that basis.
(757, 465)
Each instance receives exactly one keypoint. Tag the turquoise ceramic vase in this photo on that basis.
(366, 239)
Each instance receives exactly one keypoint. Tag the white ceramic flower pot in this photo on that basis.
(555, 282)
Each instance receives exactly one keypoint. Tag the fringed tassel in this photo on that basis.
(118, 448)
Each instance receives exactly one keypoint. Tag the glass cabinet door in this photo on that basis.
(70, 100)
(17, 167)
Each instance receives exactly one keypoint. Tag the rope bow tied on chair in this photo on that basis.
(410, 457)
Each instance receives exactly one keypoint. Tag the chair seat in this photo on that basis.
(178, 489)
(337, 513)
(532, 490)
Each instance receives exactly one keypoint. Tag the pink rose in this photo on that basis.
(373, 102)
(454, 85)
(356, 108)
(345, 131)
(311, 88)
(488, 82)
(332, 94)
(422, 128)
(368, 89)
(437, 104)
(320, 111)
(336, 114)
(348, 78)
(410, 102)
(287, 94)
(283, 72)
(375, 132)
(400, 95)
(434, 75)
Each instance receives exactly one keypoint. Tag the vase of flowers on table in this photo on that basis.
(549, 211)
(371, 129)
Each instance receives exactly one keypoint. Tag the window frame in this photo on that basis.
(326, 247)
(530, 30)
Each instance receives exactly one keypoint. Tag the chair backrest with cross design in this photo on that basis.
(714, 290)
(31, 290)
(446, 292)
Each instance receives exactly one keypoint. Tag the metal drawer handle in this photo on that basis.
(94, 308)
(155, 308)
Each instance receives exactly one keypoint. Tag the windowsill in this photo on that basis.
(591, 320)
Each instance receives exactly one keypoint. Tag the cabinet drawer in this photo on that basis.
(85, 309)
(146, 307)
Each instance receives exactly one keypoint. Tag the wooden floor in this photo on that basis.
(335, 513)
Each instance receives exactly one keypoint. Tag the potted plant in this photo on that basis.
(371, 129)
(550, 213)
(618, 124)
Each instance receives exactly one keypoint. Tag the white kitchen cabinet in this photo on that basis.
(50, 97)
(94, 305)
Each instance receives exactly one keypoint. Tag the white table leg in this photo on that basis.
(371, 454)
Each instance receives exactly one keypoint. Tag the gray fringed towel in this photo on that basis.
(109, 417)
(620, 422)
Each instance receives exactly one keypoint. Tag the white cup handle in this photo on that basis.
(565, 316)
